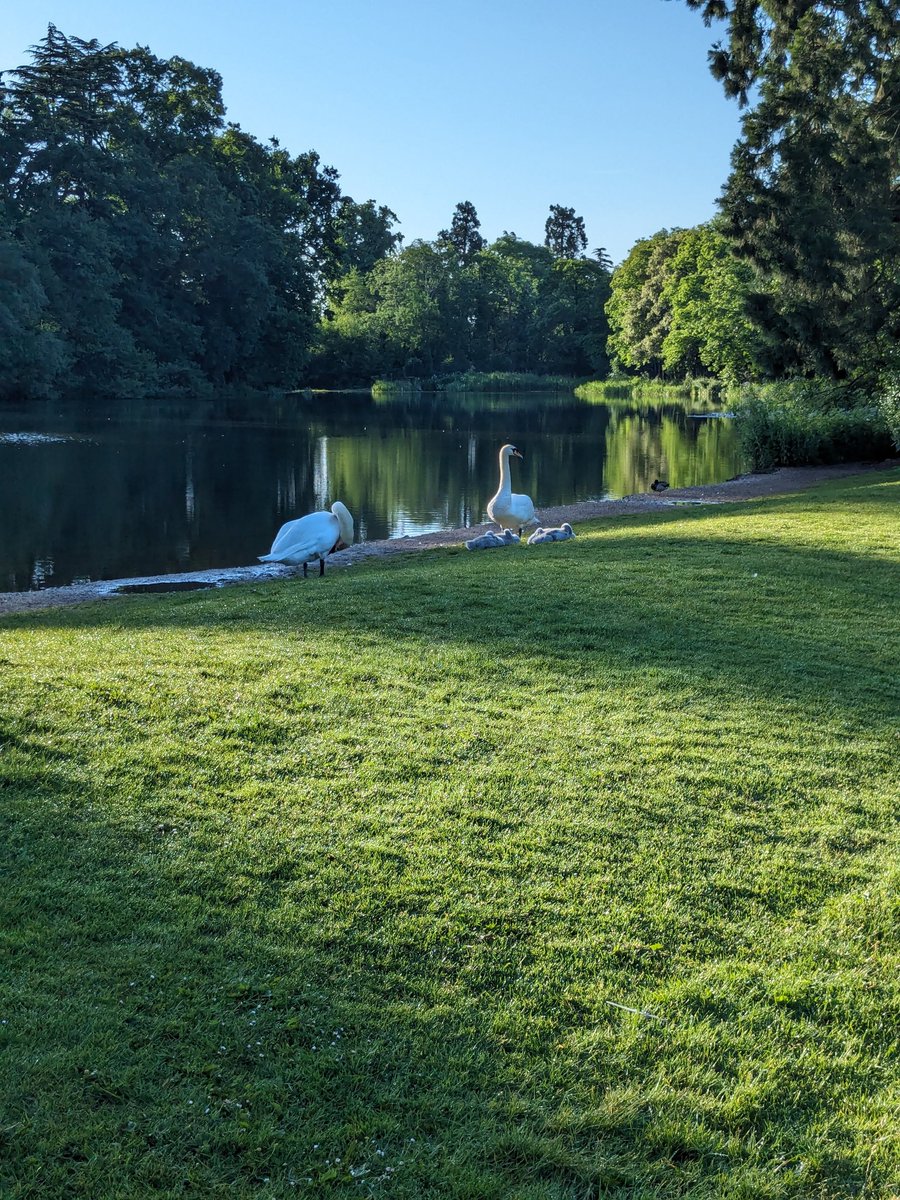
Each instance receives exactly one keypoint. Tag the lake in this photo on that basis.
(90, 492)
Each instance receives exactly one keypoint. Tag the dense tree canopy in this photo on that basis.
(510, 306)
(813, 201)
(148, 246)
(678, 307)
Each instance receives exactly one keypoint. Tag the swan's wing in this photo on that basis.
(307, 537)
(289, 533)
(521, 507)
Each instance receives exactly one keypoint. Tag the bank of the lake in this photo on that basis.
(559, 871)
(743, 487)
(96, 491)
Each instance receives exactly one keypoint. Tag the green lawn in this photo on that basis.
(349, 887)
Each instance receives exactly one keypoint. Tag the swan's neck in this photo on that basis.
(505, 485)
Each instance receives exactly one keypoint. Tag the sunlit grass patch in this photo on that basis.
(558, 872)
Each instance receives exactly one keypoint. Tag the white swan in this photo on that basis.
(312, 537)
(508, 509)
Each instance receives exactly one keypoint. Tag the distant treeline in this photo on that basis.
(146, 246)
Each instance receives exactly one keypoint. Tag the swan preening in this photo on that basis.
(489, 540)
(560, 534)
(312, 537)
(508, 509)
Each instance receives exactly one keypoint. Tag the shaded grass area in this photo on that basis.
(336, 887)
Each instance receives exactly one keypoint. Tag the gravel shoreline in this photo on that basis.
(743, 487)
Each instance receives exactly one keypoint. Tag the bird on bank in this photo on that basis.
(312, 537)
(507, 508)
(560, 534)
(658, 485)
(490, 540)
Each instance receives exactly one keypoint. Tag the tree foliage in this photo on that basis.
(678, 308)
(564, 232)
(813, 201)
(150, 245)
(463, 235)
(427, 310)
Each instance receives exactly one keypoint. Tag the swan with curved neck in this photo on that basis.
(312, 537)
(509, 509)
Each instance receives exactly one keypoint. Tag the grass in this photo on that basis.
(476, 381)
(350, 887)
(604, 391)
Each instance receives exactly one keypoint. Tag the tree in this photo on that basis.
(813, 200)
(31, 353)
(574, 301)
(157, 247)
(463, 235)
(638, 308)
(564, 233)
(365, 234)
(706, 289)
(514, 275)
(678, 307)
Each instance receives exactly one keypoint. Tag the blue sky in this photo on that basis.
(606, 106)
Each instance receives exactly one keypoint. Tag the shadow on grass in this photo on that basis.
(777, 618)
(190, 1010)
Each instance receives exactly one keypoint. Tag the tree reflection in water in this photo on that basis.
(154, 487)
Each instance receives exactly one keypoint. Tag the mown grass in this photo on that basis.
(335, 887)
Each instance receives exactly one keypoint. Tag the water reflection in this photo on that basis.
(93, 493)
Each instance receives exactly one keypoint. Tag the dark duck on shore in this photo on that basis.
(658, 485)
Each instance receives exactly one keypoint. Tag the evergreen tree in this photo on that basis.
(813, 201)
(564, 232)
(463, 235)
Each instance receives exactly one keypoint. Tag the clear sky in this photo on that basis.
(605, 106)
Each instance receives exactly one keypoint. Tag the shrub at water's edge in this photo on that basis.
(889, 405)
(476, 381)
(604, 390)
(804, 422)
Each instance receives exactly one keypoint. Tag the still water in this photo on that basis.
(92, 493)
